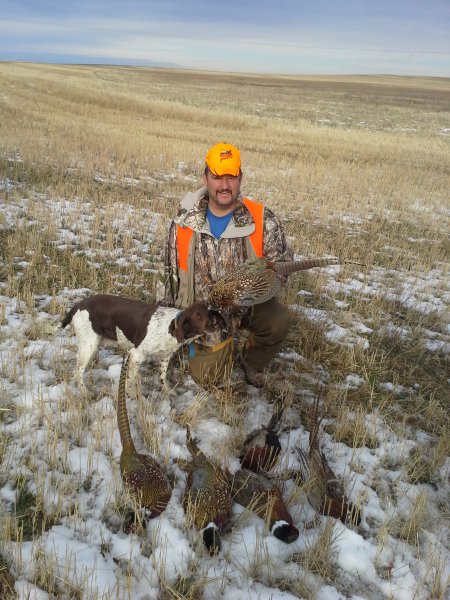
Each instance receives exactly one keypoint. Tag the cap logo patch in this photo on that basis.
(224, 154)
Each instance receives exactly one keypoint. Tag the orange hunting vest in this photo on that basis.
(184, 235)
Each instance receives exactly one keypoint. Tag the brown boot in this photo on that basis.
(253, 376)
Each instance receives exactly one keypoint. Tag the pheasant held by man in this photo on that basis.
(258, 280)
(142, 475)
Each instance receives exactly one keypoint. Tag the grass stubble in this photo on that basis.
(357, 167)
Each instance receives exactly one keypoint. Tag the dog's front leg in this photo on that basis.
(81, 385)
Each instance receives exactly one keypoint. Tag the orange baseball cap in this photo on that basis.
(224, 159)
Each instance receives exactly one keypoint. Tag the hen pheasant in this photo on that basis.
(262, 446)
(208, 498)
(256, 493)
(142, 475)
(257, 280)
(324, 491)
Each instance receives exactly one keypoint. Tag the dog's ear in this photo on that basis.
(172, 327)
(176, 329)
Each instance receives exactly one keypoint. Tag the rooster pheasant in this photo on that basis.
(208, 498)
(262, 446)
(324, 491)
(142, 475)
(256, 493)
(257, 280)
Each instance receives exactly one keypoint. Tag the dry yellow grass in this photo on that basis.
(357, 167)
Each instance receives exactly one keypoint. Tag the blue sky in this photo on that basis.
(408, 37)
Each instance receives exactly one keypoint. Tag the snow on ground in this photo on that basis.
(68, 449)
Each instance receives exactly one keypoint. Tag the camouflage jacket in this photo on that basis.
(215, 257)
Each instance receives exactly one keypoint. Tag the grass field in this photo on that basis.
(93, 163)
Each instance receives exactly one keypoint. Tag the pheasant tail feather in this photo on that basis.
(289, 267)
(122, 416)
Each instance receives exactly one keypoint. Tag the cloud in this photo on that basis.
(286, 37)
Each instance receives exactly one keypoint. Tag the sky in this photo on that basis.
(404, 37)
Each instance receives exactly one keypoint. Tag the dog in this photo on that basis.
(143, 329)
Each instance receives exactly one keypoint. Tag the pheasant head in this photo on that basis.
(256, 493)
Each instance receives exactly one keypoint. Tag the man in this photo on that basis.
(216, 229)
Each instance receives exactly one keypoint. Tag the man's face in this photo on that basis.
(223, 191)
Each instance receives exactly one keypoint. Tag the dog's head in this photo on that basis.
(194, 321)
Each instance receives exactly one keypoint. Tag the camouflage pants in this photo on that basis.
(267, 324)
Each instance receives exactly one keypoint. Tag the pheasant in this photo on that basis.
(208, 498)
(256, 493)
(262, 446)
(142, 475)
(257, 280)
(323, 489)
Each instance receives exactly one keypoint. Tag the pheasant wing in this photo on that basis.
(255, 288)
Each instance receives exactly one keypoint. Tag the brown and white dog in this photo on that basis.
(144, 330)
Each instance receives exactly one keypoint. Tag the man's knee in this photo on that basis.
(281, 324)
(271, 322)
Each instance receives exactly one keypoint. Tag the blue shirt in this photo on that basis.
(217, 224)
